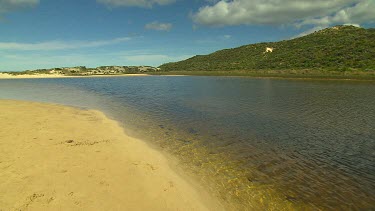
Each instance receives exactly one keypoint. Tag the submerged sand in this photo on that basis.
(54, 157)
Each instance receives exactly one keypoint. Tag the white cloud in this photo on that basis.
(20, 62)
(159, 26)
(281, 12)
(59, 45)
(12, 5)
(226, 37)
(309, 31)
(135, 3)
(362, 12)
(352, 24)
(211, 1)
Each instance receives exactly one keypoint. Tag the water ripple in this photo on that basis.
(259, 144)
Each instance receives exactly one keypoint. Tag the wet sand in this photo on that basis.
(55, 157)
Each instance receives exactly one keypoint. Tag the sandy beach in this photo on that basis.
(26, 76)
(55, 157)
(9, 76)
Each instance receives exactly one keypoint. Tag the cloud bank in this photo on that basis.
(281, 12)
(159, 26)
(39, 60)
(135, 3)
(59, 45)
(13, 5)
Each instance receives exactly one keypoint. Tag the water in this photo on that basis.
(255, 143)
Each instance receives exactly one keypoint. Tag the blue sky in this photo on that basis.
(58, 33)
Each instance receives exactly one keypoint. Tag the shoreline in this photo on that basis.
(364, 78)
(367, 78)
(37, 76)
(60, 157)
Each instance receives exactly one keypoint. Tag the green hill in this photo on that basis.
(336, 49)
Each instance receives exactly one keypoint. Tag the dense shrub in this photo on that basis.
(340, 48)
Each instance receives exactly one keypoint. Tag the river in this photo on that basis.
(255, 143)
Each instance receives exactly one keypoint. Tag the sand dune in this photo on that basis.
(61, 158)
(9, 76)
(25, 76)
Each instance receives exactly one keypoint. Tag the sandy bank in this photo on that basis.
(60, 158)
(9, 76)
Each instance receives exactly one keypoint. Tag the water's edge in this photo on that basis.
(253, 143)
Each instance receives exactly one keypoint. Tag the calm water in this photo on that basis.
(256, 143)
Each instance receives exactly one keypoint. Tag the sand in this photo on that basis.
(9, 76)
(55, 157)
(26, 76)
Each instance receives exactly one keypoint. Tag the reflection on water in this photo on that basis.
(259, 143)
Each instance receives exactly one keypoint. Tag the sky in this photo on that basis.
(36, 34)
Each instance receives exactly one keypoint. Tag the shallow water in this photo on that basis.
(256, 143)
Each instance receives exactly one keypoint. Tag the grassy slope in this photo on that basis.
(336, 51)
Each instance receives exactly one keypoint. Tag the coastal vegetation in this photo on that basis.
(340, 51)
(82, 70)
